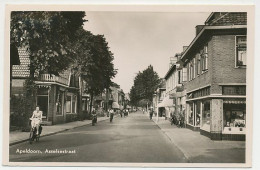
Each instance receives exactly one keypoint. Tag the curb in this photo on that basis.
(184, 152)
(53, 133)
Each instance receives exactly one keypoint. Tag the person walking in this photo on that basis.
(111, 115)
(151, 113)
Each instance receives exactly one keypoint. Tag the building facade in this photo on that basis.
(57, 96)
(158, 97)
(174, 100)
(216, 77)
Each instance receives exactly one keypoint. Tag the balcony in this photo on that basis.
(53, 78)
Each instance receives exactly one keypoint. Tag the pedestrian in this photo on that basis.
(111, 114)
(121, 112)
(151, 113)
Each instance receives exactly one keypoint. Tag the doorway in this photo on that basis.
(43, 103)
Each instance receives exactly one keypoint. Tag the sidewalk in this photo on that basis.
(16, 137)
(200, 149)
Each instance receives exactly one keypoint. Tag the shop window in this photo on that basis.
(240, 51)
(234, 115)
(206, 113)
(198, 114)
(191, 113)
(59, 103)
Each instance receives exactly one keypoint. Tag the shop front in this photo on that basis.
(234, 119)
(218, 118)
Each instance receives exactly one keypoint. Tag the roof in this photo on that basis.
(22, 70)
(227, 18)
(204, 34)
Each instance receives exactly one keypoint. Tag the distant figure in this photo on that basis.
(151, 114)
(111, 114)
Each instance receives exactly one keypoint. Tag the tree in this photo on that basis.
(145, 83)
(94, 62)
(48, 37)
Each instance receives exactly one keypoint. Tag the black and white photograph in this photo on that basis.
(155, 87)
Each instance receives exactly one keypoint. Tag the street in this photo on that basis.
(131, 139)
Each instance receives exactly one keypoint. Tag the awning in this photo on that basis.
(115, 105)
(128, 107)
(167, 102)
(234, 101)
(121, 107)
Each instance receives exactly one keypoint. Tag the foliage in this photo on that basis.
(145, 83)
(94, 62)
(48, 37)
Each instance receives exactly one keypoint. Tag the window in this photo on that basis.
(206, 113)
(184, 74)
(74, 104)
(234, 115)
(194, 68)
(190, 114)
(191, 70)
(240, 51)
(179, 77)
(198, 66)
(68, 104)
(71, 103)
(234, 90)
(204, 58)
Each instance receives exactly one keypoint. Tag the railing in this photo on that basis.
(53, 78)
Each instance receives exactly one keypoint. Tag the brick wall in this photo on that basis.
(224, 58)
(205, 78)
(221, 65)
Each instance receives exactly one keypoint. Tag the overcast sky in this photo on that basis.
(139, 39)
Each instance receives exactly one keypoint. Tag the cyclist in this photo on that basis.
(36, 119)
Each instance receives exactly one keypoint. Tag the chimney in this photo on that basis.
(199, 28)
(173, 61)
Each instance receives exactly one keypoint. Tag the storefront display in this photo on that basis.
(234, 115)
(206, 114)
(198, 113)
(191, 113)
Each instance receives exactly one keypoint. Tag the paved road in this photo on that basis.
(131, 139)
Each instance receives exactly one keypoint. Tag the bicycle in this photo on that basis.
(33, 136)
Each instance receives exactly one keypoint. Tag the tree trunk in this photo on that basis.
(91, 102)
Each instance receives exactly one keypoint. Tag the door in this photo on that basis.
(42, 102)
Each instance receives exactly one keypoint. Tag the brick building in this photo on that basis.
(216, 77)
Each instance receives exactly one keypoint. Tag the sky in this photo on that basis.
(140, 39)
